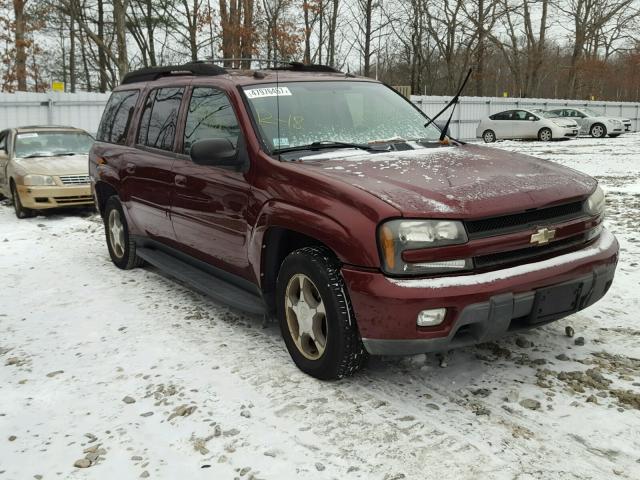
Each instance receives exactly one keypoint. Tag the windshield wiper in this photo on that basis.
(453, 102)
(64, 154)
(331, 144)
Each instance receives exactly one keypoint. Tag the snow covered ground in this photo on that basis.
(156, 380)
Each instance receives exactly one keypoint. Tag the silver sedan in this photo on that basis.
(525, 124)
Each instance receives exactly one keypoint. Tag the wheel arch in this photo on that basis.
(103, 192)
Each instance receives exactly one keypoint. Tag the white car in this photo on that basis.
(594, 123)
(525, 124)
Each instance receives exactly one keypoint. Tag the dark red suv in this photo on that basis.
(321, 198)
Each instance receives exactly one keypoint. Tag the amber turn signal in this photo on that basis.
(388, 247)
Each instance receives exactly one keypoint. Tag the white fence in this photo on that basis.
(471, 110)
(84, 110)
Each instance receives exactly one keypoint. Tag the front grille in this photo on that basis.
(74, 179)
(521, 221)
(503, 259)
(74, 199)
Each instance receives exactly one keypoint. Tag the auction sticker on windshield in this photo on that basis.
(268, 92)
(28, 135)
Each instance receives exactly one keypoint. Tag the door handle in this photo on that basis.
(180, 180)
(130, 168)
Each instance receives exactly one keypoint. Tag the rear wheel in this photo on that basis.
(315, 315)
(598, 130)
(21, 212)
(122, 248)
(545, 135)
(489, 136)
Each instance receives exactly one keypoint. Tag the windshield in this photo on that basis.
(48, 144)
(343, 111)
(591, 113)
(546, 114)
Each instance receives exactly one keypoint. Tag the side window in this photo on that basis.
(520, 115)
(116, 118)
(160, 117)
(502, 116)
(210, 115)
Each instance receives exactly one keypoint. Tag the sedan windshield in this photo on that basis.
(50, 144)
(297, 114)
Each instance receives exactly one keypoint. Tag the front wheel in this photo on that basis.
(21, 212)
(315, 315)
(489, 136)
(122, 248)
(545, 135)
(598, 130)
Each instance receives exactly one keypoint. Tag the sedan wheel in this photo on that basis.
(306, 316)
(21, 212)
(489, 136)
(545, 135)
(598, 131)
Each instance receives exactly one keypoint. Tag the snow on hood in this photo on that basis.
(459, 182)
(62, 165)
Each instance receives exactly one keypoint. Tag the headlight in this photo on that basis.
(594, 205)
(396, 236)
(38, 180)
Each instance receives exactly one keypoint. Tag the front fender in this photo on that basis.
(358, 250)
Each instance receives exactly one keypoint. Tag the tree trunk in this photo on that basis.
(21, 43)
(120, 25)
(72, 55)
(102, 56)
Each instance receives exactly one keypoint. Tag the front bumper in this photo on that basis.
(480, 307)
(40, 198)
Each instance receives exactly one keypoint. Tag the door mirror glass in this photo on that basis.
(215, 152)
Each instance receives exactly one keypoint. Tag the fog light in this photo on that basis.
(431, 318)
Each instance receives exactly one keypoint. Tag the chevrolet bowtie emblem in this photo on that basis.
(543, 236)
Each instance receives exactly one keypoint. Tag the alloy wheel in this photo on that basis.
(306, 316)
(597, 131)
(116, 233)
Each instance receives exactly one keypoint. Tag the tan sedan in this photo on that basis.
(45, 167)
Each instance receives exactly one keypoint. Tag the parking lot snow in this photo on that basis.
(136, 375)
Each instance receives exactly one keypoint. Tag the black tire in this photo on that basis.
(127, 259)
(489, 136)
(344, 353)
(598, 130)
(21, 212)
(614, 135)
(545, 135)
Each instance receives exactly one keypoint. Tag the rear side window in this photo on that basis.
(502, 116)
(160, 117)
(210, 115)
(116, 118)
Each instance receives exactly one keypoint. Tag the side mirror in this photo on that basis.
(214, 151)
(533, 119)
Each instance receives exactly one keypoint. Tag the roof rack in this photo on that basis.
(280, 64)
(153, 73)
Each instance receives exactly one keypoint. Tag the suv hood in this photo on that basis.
(63, 165)
(466, 181)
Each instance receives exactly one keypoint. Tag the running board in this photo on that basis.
(204, 282)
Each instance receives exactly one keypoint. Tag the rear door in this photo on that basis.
(503, 124)
(209, 203)
(146, 173)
